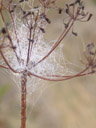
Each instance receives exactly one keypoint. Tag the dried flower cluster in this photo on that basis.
(90, 56)
(23, 49)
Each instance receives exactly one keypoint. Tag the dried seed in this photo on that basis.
(22, 1)
(3, 30)
(13, 47)
(72, 4)
(66, 25)
(74, 33)
(77, 1)
(29, 13)
(48, 21)
(31, 40)
(90, 46)
(89, 17)
(42, 29)
(60, 10)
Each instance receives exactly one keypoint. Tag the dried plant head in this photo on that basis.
(23, 48)
(24, 52)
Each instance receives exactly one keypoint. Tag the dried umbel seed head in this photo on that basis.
(25, 53)
(90, 56)
(23, 47)
(47, 3)
(91, 49)
(76, 12)
(90, 46)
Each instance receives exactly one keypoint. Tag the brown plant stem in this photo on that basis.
(23, 100)
(62, 78)
(8, 36)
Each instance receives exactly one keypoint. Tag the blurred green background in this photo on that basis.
(68, 104)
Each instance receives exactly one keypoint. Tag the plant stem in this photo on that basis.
(23, 100)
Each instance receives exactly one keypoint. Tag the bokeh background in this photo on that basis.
(68, 104)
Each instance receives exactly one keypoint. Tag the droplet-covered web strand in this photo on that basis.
(25, 53)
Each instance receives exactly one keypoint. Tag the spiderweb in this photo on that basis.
(55, 64)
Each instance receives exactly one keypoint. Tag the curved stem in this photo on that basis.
(28, 54)
(14, 27)
(1, 66)
(9, 37)
(82, 73)
(5, 60)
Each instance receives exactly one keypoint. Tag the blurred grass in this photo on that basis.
(3, 90)
(94, 1)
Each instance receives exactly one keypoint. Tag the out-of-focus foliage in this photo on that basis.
(3, 90)
(3, 124)
(94, 1)
(7, 18)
